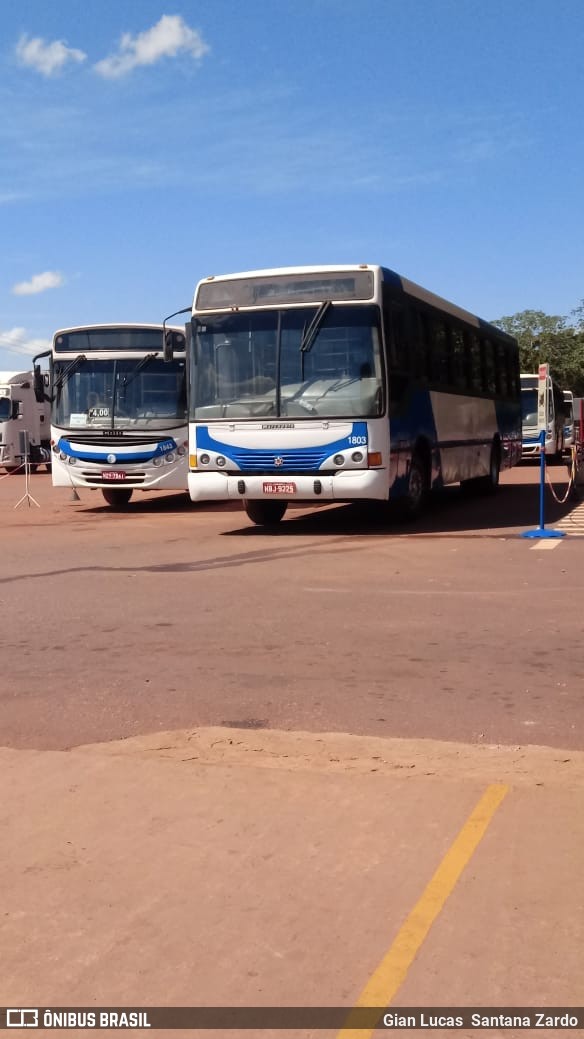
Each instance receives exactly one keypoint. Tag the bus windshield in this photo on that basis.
(529, 407)
(270, 363)
(120, 394)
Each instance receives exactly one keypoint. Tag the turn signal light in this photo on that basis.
(192, 461)
(374, 458)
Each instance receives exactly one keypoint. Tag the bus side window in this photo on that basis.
(440, 353)
(513, 382)
(501, 370)
(396, 335)
(421, 345)
(396, 332)
(473, 349)
(489, 383)
(458, 359)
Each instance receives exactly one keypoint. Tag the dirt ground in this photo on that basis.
(235, 761)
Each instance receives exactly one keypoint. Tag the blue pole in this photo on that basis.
(541, 532)
(541, 478)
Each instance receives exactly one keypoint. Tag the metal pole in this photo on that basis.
(541, 478)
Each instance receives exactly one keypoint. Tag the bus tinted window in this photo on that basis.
(422, 345)
(440, 358)
(473, 349)
(489, 380)
(458, 359)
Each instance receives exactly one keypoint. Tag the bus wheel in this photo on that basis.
(117, 499)
(488, 484)
(416, 497)
(265, 513)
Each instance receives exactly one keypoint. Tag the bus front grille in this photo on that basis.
(303, 461)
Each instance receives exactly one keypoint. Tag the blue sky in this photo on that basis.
(144, 145)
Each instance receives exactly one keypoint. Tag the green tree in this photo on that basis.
(545, 338)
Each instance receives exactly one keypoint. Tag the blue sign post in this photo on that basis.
(541, 532)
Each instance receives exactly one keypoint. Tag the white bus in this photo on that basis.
(554, 429)
(341, 384)
(118, 411)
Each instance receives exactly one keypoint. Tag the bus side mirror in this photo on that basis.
(167, 351)
(39, 384)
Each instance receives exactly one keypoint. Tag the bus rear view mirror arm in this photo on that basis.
(167, 351)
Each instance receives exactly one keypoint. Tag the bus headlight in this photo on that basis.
(62, 456)
(205, 459)
(169, 457)
(181, 450)
(221, 461)
(157, 461)
(339, 459)
(72, 461)
(357, 456)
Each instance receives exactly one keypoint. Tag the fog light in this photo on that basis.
(221, 461)
(339, 459)
(205, 459)
(357, 456)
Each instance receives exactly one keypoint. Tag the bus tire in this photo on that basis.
(418, 488)
(118, 499)
(489, 484)
(265, 513)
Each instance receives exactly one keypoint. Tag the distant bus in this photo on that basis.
(554, 431)
(118, 411)
(569, 436)
(343, 384)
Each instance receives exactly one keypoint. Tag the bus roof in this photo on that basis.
(380, 272)
(116, 324)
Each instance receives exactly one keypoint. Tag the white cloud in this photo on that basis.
(170, 36)
(38, 283)
(17, 341)
(46, 58)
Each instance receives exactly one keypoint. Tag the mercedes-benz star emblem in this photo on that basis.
(278, 460)
(111, 459)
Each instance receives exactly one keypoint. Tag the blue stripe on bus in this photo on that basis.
(300, 459)
(120, 456)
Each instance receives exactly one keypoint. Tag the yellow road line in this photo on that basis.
(391, 972)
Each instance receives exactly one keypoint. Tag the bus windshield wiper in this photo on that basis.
(129, 379)
(314, 327)
(68, 371)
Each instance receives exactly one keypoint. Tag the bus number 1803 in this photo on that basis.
(357, 441)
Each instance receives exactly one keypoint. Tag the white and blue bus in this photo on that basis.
(531, 386)
(316, 384)
(118, 411)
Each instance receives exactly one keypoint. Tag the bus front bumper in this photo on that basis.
(354, 485)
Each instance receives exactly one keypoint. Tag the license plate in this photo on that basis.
(279, 488)
(113, 474)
